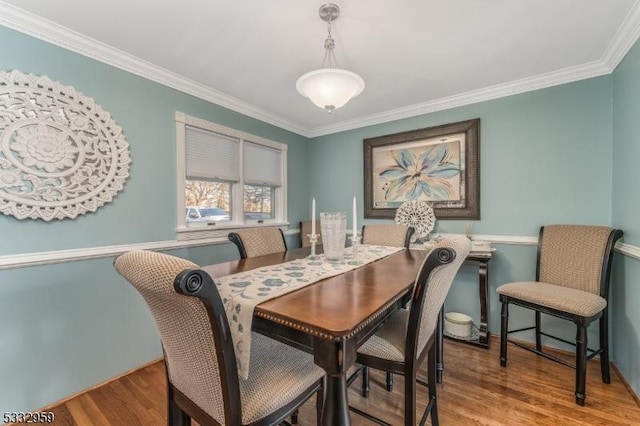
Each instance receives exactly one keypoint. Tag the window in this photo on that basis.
(227, 178)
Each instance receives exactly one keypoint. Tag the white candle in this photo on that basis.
(313, 215)
(355, 221)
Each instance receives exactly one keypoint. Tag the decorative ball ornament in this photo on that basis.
(61, 154)
(417, 214)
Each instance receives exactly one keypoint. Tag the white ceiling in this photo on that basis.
(415, 56)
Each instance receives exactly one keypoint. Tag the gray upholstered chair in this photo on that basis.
(305, 229)
(572, 282)
(254, 242)
(202, 376)
(387, 235)
(408, 336)
(384, 235)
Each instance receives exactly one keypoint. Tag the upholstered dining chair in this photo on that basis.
(254, 242)
(572, 282)
(387, 235)
(401, 344)
(202, 376)
(305, 229)
(384, 235)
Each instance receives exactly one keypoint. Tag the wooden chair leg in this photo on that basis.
(365, 382)
(440, 346)
(319, 404)
(389, 381)
(605, 367)
(581, 363)
(410, 397)
(431, 376)
(504, 324)
(294, 417)
(538, 335)
(175, 415)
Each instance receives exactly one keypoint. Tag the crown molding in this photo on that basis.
(624, 39)
(40, 28)
(622, 42)
(554, 78)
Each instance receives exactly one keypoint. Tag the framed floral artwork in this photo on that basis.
(439, 164)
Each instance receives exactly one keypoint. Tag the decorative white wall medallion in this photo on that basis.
(419, 215)
(61, 154)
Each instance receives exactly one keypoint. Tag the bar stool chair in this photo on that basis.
(384, 235)
(401, 344)
(202, 376)
(387, 235)
(255, 242)
(572, 282)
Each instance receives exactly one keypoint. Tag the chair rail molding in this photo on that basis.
(628, 250)
(23, 260)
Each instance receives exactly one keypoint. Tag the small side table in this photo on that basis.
(482, 259)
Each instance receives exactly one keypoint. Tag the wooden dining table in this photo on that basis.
(333, 317)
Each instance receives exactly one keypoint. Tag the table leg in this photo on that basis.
(335, 358)
(440, 346)
(483, 276)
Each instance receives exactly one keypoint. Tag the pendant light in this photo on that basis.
(330, 87)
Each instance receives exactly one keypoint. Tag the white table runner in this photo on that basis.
(243, 291)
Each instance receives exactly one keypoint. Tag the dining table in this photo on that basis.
(333, 317)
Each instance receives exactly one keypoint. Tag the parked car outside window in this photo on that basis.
(206, 214)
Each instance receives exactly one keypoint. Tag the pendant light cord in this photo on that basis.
(329, 60)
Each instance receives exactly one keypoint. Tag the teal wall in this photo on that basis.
(626, 214)
(548, 156)
(69, 326)
(545, 157)
(145, 111)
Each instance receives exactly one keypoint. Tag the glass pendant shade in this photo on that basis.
(330, 88)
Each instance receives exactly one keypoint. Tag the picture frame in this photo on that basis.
(439, 164)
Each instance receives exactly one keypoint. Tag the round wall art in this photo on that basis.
(61, 154)
(419, 215)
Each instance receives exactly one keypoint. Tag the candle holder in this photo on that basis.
(355, 242)
(313, 239)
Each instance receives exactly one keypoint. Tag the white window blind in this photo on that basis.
(262, 165)
(212, 155)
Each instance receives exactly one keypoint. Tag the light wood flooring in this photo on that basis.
(475, 391)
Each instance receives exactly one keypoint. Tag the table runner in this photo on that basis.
(243, 291)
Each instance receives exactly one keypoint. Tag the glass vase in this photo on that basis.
(334, 232)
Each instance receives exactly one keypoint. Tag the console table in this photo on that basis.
(482, 259)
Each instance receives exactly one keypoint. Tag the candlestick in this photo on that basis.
(355, 221)
(313, 216)
(354, 244)
(313, 239)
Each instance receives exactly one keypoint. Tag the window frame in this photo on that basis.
(236, 221)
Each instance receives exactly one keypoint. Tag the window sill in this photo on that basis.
(222, 231)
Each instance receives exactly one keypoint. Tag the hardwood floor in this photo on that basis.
(475, 391)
